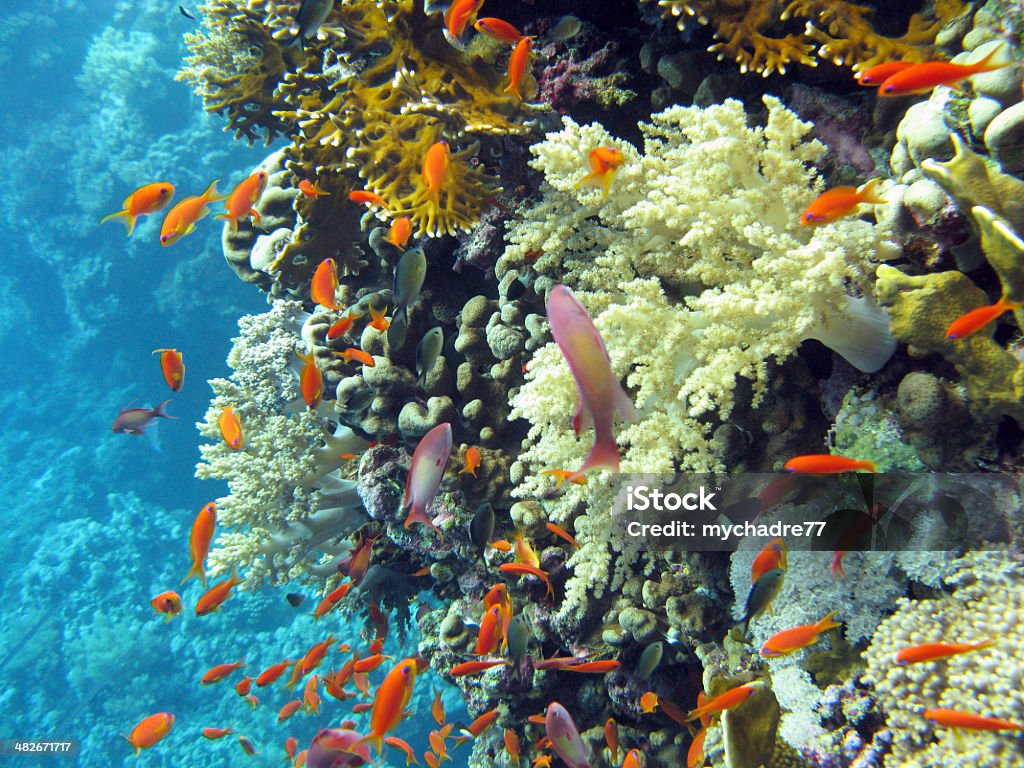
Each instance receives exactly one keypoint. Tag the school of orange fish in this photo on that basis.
(588, 360)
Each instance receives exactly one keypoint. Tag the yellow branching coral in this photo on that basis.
(842, 30)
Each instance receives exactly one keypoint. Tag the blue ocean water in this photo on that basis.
(97, 523)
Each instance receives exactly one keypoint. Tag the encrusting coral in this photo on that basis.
(843, 30)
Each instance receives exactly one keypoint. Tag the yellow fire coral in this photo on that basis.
(842, 29)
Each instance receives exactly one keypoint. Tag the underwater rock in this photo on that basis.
(1004, 136)
(935, 418)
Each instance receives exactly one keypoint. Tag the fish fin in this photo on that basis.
(161, 410)
(125, 218)
(212, 193)
(256, 215)
(592, 179)
(582, 420)
(998, 57)
(828, 621)
(197, 569)
(603, 455)
(230, 220)
(867, 193)
(624, 405)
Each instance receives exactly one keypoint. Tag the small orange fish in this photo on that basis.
(290, 745)
(973, 321)
(288, 710)
(542, 761)
(475, 667)
(272, 673)
(499, 30)
(490, 632)
(437, 744)
(562, 534)
(772, 556)
(604, 163)
(325, 284)
(370, 663)
(611, 738)
(393, 694)
(199, 541)
(216, 595)
(934, 651)
(525, 553)
(632, 759)
(253, 701)
(300, 759)
(921, 78)
(435, 170)
(790, 640)
(230, 428)
(150, 730)
(247, 746)
(352, 353)
(221, 671)
(172, 367)
(561, 475)
(731, 698)
(311, 380)
(342, 326)
(518, 64)
(501, 545)
(142, 202)
(459, 14)
(826, 464)
(523, 569)
(437, 709)
(837, 563)
(595, 667)
(648, 702)
(879, 73)
(167, 603)
(241, 203)
(310, 698)
(695, 754)
(410, 756)
(951, 718)
(315, 655)
(472, 461)
(674, 711)
(366, 197)
(181, 219)
(312, 189)
(835, 203)
(378, 321)
(244, 686)
(399, 232)
(482, 723)
(217, 733)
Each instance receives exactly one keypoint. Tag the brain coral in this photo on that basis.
(987, 602)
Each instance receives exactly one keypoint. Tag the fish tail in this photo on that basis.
(125, 218)
(212, 193)
(589, 180)
(867, 193)
(983, 644)
(230, 220)
(161, 411)
(197, 569)
(869, 466)
(606, 182)
(603, 455)
(997, 58)
(828, 622)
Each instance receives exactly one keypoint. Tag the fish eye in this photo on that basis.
(889, 89)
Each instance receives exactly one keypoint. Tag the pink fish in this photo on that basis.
(599, 394)
(133, 421)
(425, 472)
(335, 748)
(564, 735)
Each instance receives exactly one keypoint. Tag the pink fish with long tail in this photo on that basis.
(599, 394)
(425, 472)
(133, 421)
(565, 736)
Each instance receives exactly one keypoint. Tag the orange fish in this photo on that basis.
(772, 556)
(632, 759)
(695, 754)
(790, 640)
(437, 744)
(370, 663)
(472, 461)
(604, 163)
(393, 694)
(325, 284)
(142, 202)
(315, 655)
(366, 197)
(150, 730)
(230, 428)
(435, 170)
(216, 595)
(518, 64)
(352, 353)
(167, 603)
(300, 759)
(181, 219)
(976, 319)
(597, 667)
(288, 710)
(522, 569)
(270, 674)
(525, 553)
(247, 746)
(342, 326)
(459, 14)
(253, 701)
(542, 761)
(879, 73)
(674, 711)
(501, 545)
(221, 671)
(648, 702)
(921, 78)
(172, 367)
(312, 189)
(244, 686)
(217, 733)
(241, 203)
(290, 745)
(199, 541)
(482, 723)
(437, 709)
(310, 698)
(500, 30)
(378, 321)
(611, 738)
(838, 202)
(473, 667)
(410, 756)
(561, 475)
(934, 651)
(399, 232)
(562, 534)
(951, 718)
(826, 464)
(490, 632)
(837, 564)
(731, 698)
(311, 380)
